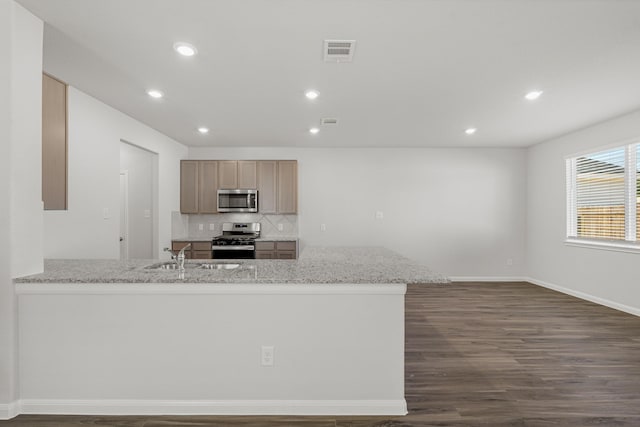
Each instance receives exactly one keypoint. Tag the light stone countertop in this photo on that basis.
(316, 265)
(259, 239)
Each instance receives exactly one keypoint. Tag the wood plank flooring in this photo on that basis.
(483, 354)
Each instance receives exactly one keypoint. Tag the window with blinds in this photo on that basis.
(603, 195)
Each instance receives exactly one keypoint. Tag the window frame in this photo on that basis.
(631, 243)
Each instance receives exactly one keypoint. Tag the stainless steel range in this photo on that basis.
(238, 241)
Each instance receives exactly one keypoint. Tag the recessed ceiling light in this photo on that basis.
(533, 95)
(470, 131)
(314, 130)
(311, 94)
(203, 130)
(185, 49)
(155, 93)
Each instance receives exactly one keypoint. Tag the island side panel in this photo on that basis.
(334, 351)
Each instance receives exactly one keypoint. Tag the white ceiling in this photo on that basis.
(423, 70)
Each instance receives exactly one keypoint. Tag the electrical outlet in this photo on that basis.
(212, 227)
(200, 227)
(268, 353)
(280, 227)
(379, 215)
(323, 227)
(509, 261)
(105, 213)
(147, 213)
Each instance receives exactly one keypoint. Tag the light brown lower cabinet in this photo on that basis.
(197, 250)
(286, 249)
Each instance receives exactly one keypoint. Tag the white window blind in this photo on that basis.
(603, 195)
(637, 195)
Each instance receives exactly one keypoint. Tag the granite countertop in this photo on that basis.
(259, 239)
(316, 265)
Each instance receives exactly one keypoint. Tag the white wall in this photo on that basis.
(607, 277)
(26, 147)
(20, 181)
(462, 212)
(95, 131)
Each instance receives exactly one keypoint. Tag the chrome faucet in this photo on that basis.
(179, 257)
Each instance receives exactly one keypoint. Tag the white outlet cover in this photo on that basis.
(212, 227)
(379, 215)
(280, 227)
(267, 356)
(200, 227)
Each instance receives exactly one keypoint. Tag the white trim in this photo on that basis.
(599, 148)
(604, 245)
(208, 288)
(9, 410)
(214, 407)
(124, 194)
(488, 278)
(607, 303)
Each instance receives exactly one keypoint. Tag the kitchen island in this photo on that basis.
(323, 334)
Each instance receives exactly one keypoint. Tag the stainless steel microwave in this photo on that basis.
(237, 200)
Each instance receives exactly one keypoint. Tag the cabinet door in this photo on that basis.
(54, 144)
(208, 193)
(228, 174)
(202, 255)
(286, 254)
(265, 254)
(247, 174)
(267, 171)
(287, 187)
(189, 186)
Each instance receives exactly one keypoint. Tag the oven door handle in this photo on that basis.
(234, 248)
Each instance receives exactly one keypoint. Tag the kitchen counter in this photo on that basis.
(316, 265)
(323, 334)
(259, 239)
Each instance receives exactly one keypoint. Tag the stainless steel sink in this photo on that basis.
(220, 265)
(171, 265)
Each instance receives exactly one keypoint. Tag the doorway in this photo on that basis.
(138, 205)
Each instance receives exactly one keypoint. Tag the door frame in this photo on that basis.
(124, 213)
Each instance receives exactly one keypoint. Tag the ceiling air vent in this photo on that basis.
(339, 50)
(328, 121)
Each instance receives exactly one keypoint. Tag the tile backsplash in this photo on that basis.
(188, 226)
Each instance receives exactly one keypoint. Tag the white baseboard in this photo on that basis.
(602, 301)
(9, 410)
(488, 278)
(607, 303)
(214, 407)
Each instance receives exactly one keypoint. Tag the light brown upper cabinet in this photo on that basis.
(228, 174)
(275, 180)
(198, 186)
(208, 175)
(267, 187)
(189, 186)
(247, 174)
(54, 143)
(234, 174)
(287, 187)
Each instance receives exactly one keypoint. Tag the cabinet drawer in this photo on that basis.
(201, 246)
(265, 246)
(265, 254)
(177, 245)
(286, 246)
(286, 254)
(202, 254)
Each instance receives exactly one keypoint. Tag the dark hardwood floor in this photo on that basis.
(484, 354)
